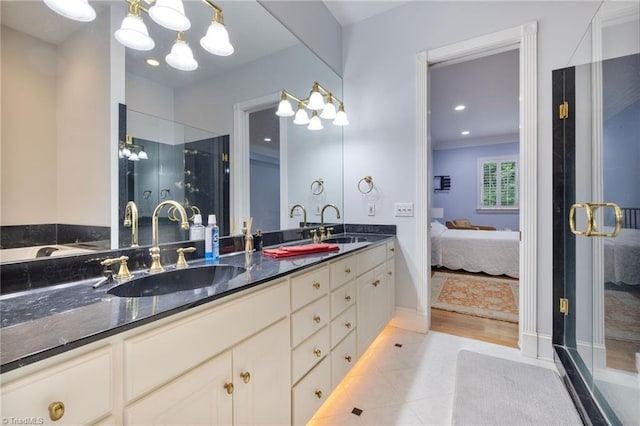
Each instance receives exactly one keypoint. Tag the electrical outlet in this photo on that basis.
(371, 209)
(403, 210)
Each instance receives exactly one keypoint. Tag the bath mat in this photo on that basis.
(488, 297)
(495, 391)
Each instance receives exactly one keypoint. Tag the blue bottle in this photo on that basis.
(212, 240)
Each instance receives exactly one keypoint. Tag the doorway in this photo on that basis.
(525, 38)
(474, 113)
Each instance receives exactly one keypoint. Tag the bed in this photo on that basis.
(622, 257)
(492, 252)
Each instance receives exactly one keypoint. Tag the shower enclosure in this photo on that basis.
(596, 191)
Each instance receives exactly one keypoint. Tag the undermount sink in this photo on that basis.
(345, 240)
(176, 280)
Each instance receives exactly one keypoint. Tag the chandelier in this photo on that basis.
(169, 14)
(319, 99)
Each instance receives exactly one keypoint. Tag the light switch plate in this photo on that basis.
(371, 209)
(403, 210)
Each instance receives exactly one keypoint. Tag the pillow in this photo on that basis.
(437, 228)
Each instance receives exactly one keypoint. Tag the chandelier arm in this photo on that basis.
(326, 92)
(304, 101)
(135, 5)
(213, 5)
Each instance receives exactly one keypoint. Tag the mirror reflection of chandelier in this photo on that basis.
(319, 99)
(131, 151)
(169, 14)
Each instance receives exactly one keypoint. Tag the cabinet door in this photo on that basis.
(262, 377)
(390, 285)
(196, 398)
(371, 311)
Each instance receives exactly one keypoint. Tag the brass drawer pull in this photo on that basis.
(319, 394)
(348, 358)
(246, 376)
(376, 283)
(56, 410)
(389, 273)
(347, 324)
(229, 388)
(347, 271)
(316, 285)
(318, 353)
(317, 319)
(347, 298)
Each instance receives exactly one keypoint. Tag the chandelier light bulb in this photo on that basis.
(126, 152)
(315, 123)
(329, 111)
(301, 116)
(120, 154)
(77, 10)
(170, 14)
(133, 33)
(216, 41)
(143, 155)
(341, 117)
(316, 102)
(284, 108)
(181, 56)
(134, 157)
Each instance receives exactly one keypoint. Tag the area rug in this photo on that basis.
(495, 391)
(621, 315)
(488, 297)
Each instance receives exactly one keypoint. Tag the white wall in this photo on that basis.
(84, 126)
(379, 85)
(29, 74)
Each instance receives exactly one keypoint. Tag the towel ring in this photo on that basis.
(319, 186)
(368, 180)
(172, 215)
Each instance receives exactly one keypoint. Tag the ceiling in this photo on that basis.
(349, 12)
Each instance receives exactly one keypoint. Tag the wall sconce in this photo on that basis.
(170, 14)
(319, 99)
(441, 183)
(131, 151)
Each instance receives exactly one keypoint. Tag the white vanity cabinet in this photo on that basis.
(248, 384)
(72, 392)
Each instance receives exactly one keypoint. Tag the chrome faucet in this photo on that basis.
(131, 221)
(155, 250)
(304, 214)
(322, 234)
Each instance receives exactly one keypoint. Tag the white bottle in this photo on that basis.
(197, 230)
(211, 240)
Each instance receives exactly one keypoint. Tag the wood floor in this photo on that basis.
(485, 329)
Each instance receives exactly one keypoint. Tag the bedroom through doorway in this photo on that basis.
(475, 235)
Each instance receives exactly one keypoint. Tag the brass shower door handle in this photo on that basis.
(591, 228)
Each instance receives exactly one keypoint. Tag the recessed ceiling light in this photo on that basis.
(152, 62)
(465, 132)
(459, 107)
(267, 139)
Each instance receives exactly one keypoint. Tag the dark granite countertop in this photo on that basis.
(39, 323)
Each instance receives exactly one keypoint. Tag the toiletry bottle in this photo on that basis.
(257, 240)
(196, 231)
(215, 237)
(208, 240)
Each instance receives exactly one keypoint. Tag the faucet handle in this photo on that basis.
(322, 234)
(123, 271)
(182, 262)
(314, 232)
(329, 229)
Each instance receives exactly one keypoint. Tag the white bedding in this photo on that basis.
(492, 252)
(622, 257)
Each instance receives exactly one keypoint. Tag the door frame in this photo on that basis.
(525, 38)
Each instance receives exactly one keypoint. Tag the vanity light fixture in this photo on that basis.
(319, 99)
(133, 32)
(131, 151)
(77, 10)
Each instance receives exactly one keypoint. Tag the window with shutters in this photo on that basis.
(498, 183)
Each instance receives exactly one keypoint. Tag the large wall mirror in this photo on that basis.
(63, 82)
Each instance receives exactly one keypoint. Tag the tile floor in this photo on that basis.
(408, 385)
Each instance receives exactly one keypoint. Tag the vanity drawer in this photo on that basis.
(343, 357)
(343, 325)
(342, 298)
(343, 271)
(308, 320)
(83, 385)
(194, 339)
(309, 352)
(371, 258)
(311, 393)
(308, 287)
